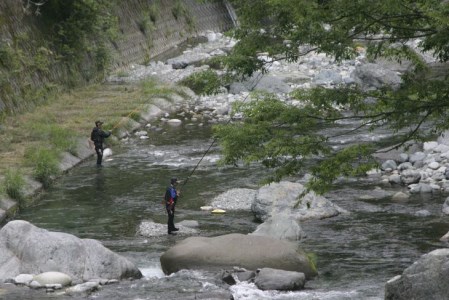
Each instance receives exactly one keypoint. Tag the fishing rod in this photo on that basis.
(255, 83)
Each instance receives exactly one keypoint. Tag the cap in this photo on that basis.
(98, 123)
(173, 180)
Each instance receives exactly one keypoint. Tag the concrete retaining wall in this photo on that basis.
(19, 31)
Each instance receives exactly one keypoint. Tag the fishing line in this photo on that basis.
(255, 83)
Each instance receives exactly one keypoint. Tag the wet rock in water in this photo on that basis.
(227, 277)
(83, 288)
(152, 229)
(445, 238)
(272, 279)
(400, 196)
(423, 213)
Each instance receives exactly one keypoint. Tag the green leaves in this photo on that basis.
(203, 83)
(284, 137)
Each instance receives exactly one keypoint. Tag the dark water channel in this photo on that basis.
(356, 253)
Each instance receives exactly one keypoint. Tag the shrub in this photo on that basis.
(203, 83)
(13, 184)
(45, 164)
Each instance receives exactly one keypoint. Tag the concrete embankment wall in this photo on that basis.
(140, 39)
(22, 39)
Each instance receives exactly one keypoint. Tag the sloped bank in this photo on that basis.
(158, 107)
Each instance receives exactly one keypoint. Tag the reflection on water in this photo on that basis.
(356, 253)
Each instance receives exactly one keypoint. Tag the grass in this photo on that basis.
(32, 142)
(13, 184)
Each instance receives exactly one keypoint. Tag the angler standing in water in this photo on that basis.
(171, 196)
(97, 136)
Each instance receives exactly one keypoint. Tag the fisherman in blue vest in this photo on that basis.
(171, 196)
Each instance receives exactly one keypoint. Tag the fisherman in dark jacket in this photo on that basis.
(171, 196)
(97, 136)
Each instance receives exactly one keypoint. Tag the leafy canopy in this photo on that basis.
(282, 137)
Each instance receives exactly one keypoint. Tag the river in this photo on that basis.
(356, 253)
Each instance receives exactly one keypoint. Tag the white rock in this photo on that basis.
(23, 279)
(107, 152)
(141, 133)
(430, 146)
(174, 122)
(399, 196)
(35, 285)
(434, 165)
(53, 278)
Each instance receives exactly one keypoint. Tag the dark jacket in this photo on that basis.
(98, 136)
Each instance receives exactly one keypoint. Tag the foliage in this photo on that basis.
(13, 184)
(8, 58)
(79, 26)
(283, 137)
(203, 83)
(44, 162)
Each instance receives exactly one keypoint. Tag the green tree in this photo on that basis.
(281, 136)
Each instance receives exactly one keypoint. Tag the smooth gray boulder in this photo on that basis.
(25, 248)
(236, 250)
(283, 198)
(427, 279)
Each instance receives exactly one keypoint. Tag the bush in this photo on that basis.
(203, 83)
(45, 163)
(13, 184)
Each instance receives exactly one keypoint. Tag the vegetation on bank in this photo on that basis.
(33, 142)
(69, 38)
(70, 47)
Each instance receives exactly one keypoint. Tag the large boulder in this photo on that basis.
(284, 198)
(425, 279)
(25, 248)
(246, 251)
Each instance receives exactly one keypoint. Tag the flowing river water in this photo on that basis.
(356, 253)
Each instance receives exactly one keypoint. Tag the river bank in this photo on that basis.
(70, 118)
